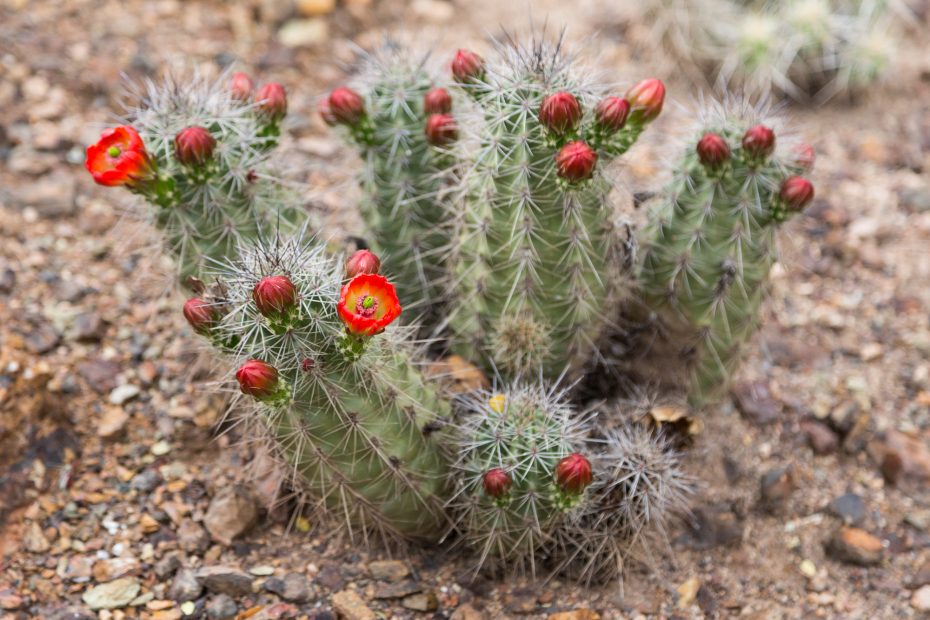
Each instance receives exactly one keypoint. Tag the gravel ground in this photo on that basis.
(119, 491)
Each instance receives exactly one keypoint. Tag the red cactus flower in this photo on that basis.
(272, 101)
(759, 141)
(194, 146)
(441, 129)
(467, 66)
(646, 100)
(496, 482)
(241, 86)
(713, 150)
(257, 378)
(346, 105)
(437, 101)
(119, 158)
(611, 114)
(575, 161)
(560, 113)
(201, 315)
(573, 473)
(797, 192)
(367, 304)
(363, 261)
(274, 295)
(804, 156)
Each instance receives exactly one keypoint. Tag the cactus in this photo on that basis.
(402, 127)
(710, 242)
(344, 406)
(639, 489)
(197, 151)
(806, 49)
(510, 496)
(541, 259)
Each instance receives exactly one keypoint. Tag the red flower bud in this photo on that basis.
(258, 379)
(804, 156)
(307, 364)
(560, 113)
(575, 161)
(573, 473)
(611, 114)
(441, 129)
(272, 101)
(437, 101)
(119, 158)
(713, 150)
(346, 105)
(759, 141)
(274, 295)
(326, 113)
(797, 192)
(201, 315)
(467, 66)
(496, 482)
(240, 86)
(363, 261)
(646, 100)
(194, 146)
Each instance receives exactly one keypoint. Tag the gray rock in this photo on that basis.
(231, 513)
(221, 606)
(225, 580)
(388, 570)
(855, 546)
(294, 587)
(52, 195)
(124, 393)
(185, 587)
(850, 508)
(776, 487)
(112, 595)
(192, 537)
(167, 566)
(424, 601)
(755, 402)
(88, 327)
(146, 481)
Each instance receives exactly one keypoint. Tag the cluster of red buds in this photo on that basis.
(572, 476)
(367, 302)
(270, 99)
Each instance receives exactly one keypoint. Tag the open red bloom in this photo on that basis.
(367, 304)
(118, 158)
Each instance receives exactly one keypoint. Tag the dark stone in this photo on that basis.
(396, 590)
(854, 546)
(89, 327)
(755, 402)
(224, 580)
(221, 606)
(185, 586)
(776, 486)
(820, 437)
(850, 508)
(713, 526)
(100, 374)
(40, 337)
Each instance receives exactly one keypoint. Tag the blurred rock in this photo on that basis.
(424, 601)
(221, 606)
(112, 595)
(304, 32)
(349, 605)
(224, 580)
(185, 586)
(388, 570)
(903, 459)
(713, 526)
(776, 486)
(850, 508)
(232, 512)
(855, 546)
(820, 437)
(755, 402)
(315, 8)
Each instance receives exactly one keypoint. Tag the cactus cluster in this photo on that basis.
(710, 242)
(198, 152)
(540, 263)
(402, 125)
(344, 405)
(806, 49)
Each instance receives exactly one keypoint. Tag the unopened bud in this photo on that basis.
(441, 129)
(194, 146)
(576, 161)
(257, 378)
(437, 101)
(363, 261)
(240, 86)
(573, 474)
(497, 482)
(467, 66)
(759, 141)
(646, 100)
(804, 156)
(713, 150)
(560, 113)
(611, 114)
(200, 315)
(274, 295)
(797, 192)
(346, 106)
(272, 101)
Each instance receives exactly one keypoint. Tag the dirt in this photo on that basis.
(103, 484)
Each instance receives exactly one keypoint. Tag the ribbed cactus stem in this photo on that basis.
(354, 423)
(711, 243)
(212, 182)
(538, 268)
(403, 134)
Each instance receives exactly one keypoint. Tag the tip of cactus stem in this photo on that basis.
(274, 295)
(257, 378)
(759, 141)
(437, 101)
(362, 261)
(441, 129)
(367, 304)
(241, 86)
(713, 150)
(573, 474)
(646, 100)
(194, 146)
(560, 113)
(611, 114)
(467, 66)
(797, 193)
(346, 106)
(497, 403)
(497, 483)
(576, 161)
(200, 315)
(272, 101)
